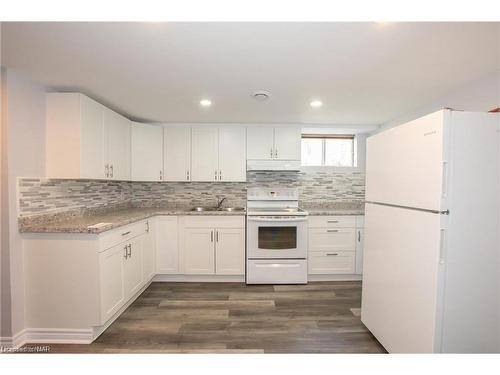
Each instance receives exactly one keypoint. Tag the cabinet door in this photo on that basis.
(287, 143)
(232, 154)
(198, 251)
(146, 152)
(148, 251)
(260, 142)
(230, 251)
(167, 245)
(118, 145)
(360, 233)
(111, 280)
(132, 268)
(92, 148)
(204, 154)
(177, 153)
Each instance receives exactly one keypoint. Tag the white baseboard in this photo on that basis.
(52, 336)
(199, 278)
(67, 335)
(6, 342)
(334, 277)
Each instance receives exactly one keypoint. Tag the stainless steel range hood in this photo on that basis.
(273, 165)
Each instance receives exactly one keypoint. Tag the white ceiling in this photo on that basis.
(365, 73)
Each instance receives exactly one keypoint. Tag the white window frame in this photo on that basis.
(359, 150)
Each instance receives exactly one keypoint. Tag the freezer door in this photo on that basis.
(405, 165)
(400, 278)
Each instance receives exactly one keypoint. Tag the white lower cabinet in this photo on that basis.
(199, 251)
(111, 276)
(230, 251)
(331, 262)
(132, 267)
(149, 251)
(167, 245)
(213, 245)
(335, 245)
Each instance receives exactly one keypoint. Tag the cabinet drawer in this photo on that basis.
(323, 239)
(125, 233)
(332, 221)
(331, 262)
(216, 221)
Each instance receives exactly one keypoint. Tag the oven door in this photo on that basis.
(277, 237)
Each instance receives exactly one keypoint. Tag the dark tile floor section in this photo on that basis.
(239, 318)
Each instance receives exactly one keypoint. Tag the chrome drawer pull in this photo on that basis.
(332, 254)
(332, 221)
(332, 230)
(124, 234)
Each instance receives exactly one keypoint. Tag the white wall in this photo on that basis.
(23, 150)
(481, 96)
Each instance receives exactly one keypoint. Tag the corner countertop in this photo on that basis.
(80, 223)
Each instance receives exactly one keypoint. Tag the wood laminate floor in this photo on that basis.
(320, 317)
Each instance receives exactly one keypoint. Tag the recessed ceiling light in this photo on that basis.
(205, 103)
(316, 103)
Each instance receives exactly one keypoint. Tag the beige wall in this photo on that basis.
(23, 150)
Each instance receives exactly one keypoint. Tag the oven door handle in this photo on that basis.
(284, 219)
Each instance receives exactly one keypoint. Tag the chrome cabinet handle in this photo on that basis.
(332, 254)
(130, 250)
(332, 230)
(216, 236)
(161, 175)
(126, 252)
(212, 236)
(271, 152)
(187, 175)
(220, 175)
(359, 236)
(275, 153)
(111, 170)
(216, 175)
(147, 226)
(106, 170)
(124, 234)
(332, 221)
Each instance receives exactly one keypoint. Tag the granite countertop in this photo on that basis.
(334, 212)
(334, 208)
(80, 223)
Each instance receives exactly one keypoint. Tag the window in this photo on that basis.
(328, 150)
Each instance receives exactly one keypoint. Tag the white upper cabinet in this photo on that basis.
(177, 153)
(232, 154)
(273, 143)
(75, 137)
(260, 142)
(85, 139)
(118, 145)
(147, 152)
(92, 152)
(204, 153)
(287, 143)
(218, 153)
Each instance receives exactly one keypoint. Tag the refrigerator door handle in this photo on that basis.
(444, 182)
(442, 246)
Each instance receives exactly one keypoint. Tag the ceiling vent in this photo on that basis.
(261, 95)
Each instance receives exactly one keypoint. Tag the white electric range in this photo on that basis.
(276, 237)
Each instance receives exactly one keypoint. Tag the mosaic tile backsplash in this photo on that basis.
(42, 196)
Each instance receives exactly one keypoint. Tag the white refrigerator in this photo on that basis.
(431, 258)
